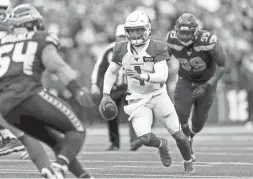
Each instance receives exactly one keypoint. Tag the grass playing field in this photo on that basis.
(222, 152)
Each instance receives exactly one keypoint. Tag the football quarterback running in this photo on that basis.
(143, 60)
(202, 61)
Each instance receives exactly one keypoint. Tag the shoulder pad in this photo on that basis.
(53, 39)
(119, 46)
(119, 50)
(207, 38)
(47, 38)
(173, 42)
(206, 41)
(171, 35)
(157, 47)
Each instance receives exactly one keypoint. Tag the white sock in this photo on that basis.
(6, 133)
(188, 161)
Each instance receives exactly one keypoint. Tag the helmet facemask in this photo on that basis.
(186, 35)
(138, 28)
(138, 35)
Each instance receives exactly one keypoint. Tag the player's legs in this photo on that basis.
(164, 111)
(75, 166)
(200, 114)
(9, 135)
(113, 125)
(48, 110)
(201, 110)
(113, 129)
(183, 103)
(142, 122)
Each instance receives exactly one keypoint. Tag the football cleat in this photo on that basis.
(189, 166)
(59, 170)
(165, 153)
(10, 146)
(113, 147)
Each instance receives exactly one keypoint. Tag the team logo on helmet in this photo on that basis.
(138, 28)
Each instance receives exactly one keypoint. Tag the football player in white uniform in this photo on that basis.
(144, 63)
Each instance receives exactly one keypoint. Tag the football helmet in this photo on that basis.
(187, 28)
(4, 4)
(25, 15)
(138, 28)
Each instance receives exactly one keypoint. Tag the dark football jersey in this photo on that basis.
(21, 66)
(196, 63)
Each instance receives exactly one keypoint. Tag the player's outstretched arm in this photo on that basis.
(110, 77)
(218, 53)
(55, 64)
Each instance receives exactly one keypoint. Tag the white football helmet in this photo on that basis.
(138, 21)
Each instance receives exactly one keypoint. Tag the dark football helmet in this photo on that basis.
(25, 15)
(187, 28)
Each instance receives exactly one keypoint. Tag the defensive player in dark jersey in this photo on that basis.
(143, 60)
(202, 61)
(9, 142)
(25, 53)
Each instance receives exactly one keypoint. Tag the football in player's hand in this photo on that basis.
(109, 111)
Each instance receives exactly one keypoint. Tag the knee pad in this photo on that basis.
(145, 139)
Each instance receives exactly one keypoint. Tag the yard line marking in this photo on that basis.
(137, 174)
(142, 166)
(135, 161)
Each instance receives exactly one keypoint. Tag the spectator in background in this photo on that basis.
(246, 82)
(118, 91)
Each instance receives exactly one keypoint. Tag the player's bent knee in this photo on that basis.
(179, 136)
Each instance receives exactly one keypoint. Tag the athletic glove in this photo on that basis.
(200, 90)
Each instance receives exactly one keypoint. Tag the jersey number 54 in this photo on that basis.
(17, 56)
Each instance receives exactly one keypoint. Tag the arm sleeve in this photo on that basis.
(161, 72)
(110, 77)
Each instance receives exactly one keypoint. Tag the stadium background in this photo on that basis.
(86, 27)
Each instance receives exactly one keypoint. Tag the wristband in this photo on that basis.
(144, 77)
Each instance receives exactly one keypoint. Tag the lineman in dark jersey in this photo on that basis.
(202, 61)
(25, 53)
(118, 91)
(9, 142)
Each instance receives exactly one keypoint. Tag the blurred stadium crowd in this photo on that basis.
(86, 27)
